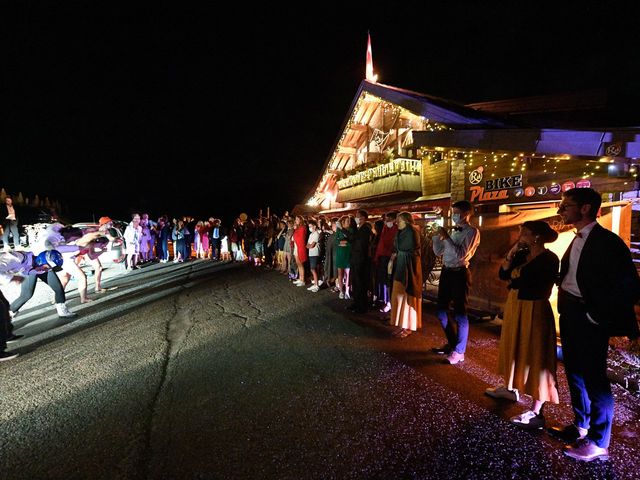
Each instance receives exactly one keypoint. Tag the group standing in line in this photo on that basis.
(381, 265)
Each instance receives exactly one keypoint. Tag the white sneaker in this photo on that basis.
(341, 296)
(63, 311)
(299, 283)
(311, 287)
(528, 420)
(320, 282)
(314, 289)
(503, 392)
(347, 296)
(454, 358)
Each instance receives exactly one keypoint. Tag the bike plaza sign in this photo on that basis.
(513, 186)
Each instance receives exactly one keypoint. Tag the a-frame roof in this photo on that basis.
(436, 110)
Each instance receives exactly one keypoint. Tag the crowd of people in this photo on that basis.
(382, 265)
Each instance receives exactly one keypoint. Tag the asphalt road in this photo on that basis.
(201, 370)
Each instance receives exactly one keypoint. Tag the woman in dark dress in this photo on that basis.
(527, 355)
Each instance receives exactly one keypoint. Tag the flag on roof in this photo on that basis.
(369, 70)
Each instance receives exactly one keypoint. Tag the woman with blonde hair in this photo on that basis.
(406, 270)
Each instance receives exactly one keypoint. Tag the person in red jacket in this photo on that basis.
(300, 248)
(381, 260)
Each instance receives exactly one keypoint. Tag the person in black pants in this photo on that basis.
(599, 285)
(5, 330)
(360, 262)
(33, 268)
(456, 247)
(217, 234)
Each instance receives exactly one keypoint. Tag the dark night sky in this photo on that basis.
(245, 105)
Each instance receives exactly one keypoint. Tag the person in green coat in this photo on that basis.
(406, 294)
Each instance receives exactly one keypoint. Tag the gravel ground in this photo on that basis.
(213, 371)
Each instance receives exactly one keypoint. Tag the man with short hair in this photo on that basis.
(599, 286)
(360, 261)
(456, 248)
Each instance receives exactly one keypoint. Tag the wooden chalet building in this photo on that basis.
(402, 150)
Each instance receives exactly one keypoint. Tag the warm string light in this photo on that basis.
(521, 162)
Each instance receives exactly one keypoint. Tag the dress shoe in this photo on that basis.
(586, 451)
(568, 434)
(443, 350)
(355, 309)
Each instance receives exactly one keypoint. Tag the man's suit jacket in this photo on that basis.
(608, 281)
(359, 240)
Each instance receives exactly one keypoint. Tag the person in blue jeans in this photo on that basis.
(456, 247)
(599, 285)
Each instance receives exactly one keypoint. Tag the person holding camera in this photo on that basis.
(527, 354)
(456, 248)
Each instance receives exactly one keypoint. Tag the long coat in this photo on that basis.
(408, 267)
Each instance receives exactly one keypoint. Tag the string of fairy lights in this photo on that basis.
(518, 163)
(387, 108)
(490, 161)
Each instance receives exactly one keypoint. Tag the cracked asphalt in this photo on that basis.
(203, 370)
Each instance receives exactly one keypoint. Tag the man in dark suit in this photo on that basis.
(360, 262)
(599, 285)
(217, 234)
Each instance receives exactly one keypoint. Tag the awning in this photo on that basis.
(381, 207)
(596, 143)
(403, 182)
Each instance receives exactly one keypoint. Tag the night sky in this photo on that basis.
(197, 111)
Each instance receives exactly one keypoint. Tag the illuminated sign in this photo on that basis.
(494, 189)
(479, 194)
(475, 177)
(504, 183)
(613, 150)
(397, 166)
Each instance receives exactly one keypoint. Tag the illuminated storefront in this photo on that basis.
(401, 150)
(375, 164)
(522, 175)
